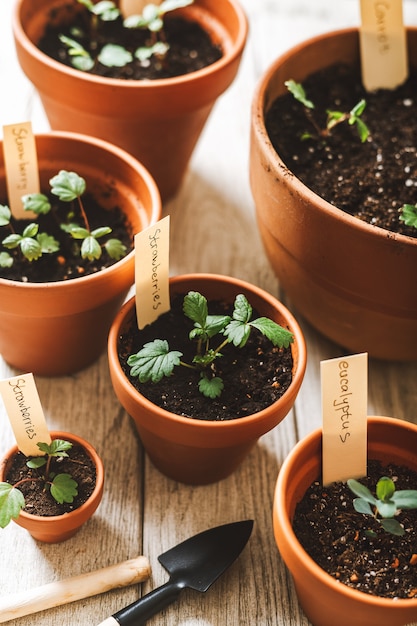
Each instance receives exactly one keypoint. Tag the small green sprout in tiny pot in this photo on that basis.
(385, 506)
(156, 359)
(62, 487)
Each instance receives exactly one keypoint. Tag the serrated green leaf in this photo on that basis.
(90, 248)
(67, 185)
(83, 63)
(115, 249)
(5, 259)
(11, 503)
(392, 526)
(154, 361)
(297, 90)
(242, 311)
(215, 324)
(31, 249)
(409, 215)
(36, 202)
(238, 333)
(278, 335)
(48, 243)
(57, 447)
(195, 307)
(5, 215)
(106, 10)
(210, 387)
(112, 55)
(362, 506)
(64, 488)
(12, 241)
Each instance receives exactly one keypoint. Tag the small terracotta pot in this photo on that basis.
(325, 601)
(59, 528)
(158, 121)
(197, 451)
(351, 280)
(57, 328)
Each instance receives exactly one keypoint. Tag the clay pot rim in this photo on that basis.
(313, 568)
(298, 372)
(272, 157)
(84, 281)
(229, 56)
(57, 434)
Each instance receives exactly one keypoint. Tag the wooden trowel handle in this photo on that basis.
(75, 588)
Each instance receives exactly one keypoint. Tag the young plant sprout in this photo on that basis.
(114, 55)
(156, 360)
(334, 118)
(68, 187)
(387, 504)
(62, 487)
(409, 214)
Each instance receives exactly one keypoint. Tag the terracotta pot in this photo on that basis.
(325, 601)
(197, 451)
(59, 528)
(56, 328)
(352, 281)
(157, 121)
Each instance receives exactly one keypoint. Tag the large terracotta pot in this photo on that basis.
(56, 328)
(353, 282)
(59, 528)
(157, 121)
(325, 601)
(198, 451)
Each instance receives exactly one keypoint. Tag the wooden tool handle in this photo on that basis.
(75, 588)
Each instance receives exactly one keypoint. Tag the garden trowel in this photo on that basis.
(195, 564)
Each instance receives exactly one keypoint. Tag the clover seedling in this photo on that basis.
(67, 186)
(155, 360)
(386, 505)
(353, 117)
(409, 214)
(62, 487)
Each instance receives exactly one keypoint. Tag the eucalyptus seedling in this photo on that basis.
(385, 506)
(334, 118)
(156, 360)
(62, 487)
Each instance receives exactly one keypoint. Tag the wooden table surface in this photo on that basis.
(213, 230)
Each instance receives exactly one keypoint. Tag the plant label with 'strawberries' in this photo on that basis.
(152, 272)
(21, 164)
(383, 44)
(344, 394)
(25, 412)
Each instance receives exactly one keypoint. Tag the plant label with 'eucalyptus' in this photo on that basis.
(25, 412)
(152, 272)
(21, 163)
(344, 392)
(383, 44)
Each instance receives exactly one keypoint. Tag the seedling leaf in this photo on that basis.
(154, 361)
(210, 387)
(299, 93)
(67, 185)
(11, 503)
(64, 488)
(112, 55)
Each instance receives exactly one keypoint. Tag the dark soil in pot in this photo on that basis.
(190, 49)
(370, 180)
(333, 534)
(67, 263)
(254, 376)
(40, 502)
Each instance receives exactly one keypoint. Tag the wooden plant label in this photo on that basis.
(152, 272)
(383, 44)
(25, 412)
(344, 392)
(21, 163)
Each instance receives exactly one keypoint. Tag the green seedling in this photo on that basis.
(62, 487)
(334, 118)
(68, 187)
(114, 55)
(385, 506)
(156, 360)
(409, 214)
